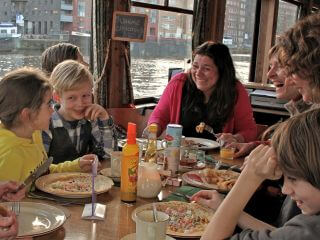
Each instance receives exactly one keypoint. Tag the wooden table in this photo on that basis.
(118, 222)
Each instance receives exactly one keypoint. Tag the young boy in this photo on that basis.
(294, 152)
(77, 126)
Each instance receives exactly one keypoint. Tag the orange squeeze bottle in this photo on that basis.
(129, 166)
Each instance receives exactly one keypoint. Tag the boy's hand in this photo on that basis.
(86, 161)
(262, 163)
(95, 111)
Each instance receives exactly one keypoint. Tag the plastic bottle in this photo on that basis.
(151, 152)
(129, 166)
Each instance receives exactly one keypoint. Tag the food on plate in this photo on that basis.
(73, 185)
(186, 219)
(194, 177)
(200, 127)
(223, 179)
(192, 143)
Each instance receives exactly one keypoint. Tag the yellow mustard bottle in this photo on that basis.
(129, 166)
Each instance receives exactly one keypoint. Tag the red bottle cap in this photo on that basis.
(131, 133)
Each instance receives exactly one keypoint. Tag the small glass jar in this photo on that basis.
(149, 181)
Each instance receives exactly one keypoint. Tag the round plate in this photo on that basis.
(177, 205)
(102, 184)
(204, 144)
(195, 178)
(107, 172)
(38, 219)
(132, 236)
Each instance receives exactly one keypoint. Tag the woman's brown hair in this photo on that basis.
(19, 89)
(299, 49)
(296, 143)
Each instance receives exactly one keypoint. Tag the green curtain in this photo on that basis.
(104, 53)
(200, 12)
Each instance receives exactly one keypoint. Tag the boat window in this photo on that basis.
(287, 16)
(32, 26)
(239, 34)
(167, 45)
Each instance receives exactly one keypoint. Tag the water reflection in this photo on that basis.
(149, 76)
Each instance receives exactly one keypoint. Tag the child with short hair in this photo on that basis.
(295, 153)
(25, 110)
(77, 126)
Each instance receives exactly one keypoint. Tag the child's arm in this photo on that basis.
(67, 166)
(261, 165)
(102, 126)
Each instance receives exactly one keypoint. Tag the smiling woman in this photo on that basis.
(209, 93)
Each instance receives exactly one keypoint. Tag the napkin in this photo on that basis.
(186, 190)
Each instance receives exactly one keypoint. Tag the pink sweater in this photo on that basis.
(168, 110)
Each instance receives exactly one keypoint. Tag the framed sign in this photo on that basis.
(129, 26)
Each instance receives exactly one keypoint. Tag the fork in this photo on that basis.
(210, 130)
(15, 207)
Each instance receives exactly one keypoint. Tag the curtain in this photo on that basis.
(110, 59)
(200, 12)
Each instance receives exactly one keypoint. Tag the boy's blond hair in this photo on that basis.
(68, 74)
(296, 144)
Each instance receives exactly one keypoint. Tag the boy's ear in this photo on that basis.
(56, 97)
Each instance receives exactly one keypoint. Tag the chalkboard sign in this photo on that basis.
(129, 26)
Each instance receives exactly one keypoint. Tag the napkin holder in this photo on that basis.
(94, 210)
(98, 212)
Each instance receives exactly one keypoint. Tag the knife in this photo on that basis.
(43, 168)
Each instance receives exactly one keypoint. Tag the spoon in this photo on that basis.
(155, 212)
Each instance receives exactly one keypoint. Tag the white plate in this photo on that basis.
(143, 141)
(132, 236)
(206, 144)
(38, 219)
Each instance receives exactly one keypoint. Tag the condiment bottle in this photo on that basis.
(151, 152)
(129, 166)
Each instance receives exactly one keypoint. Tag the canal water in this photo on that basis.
(149, 76)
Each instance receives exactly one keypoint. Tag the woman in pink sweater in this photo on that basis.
(209, 93)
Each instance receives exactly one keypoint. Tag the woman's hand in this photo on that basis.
(242, 149)
(209, 198)
(86, 161)
(9, 221)
(228, 138)
(262, 163)
(12, 191)
(95, 111)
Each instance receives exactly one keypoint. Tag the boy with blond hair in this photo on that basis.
(78, 128)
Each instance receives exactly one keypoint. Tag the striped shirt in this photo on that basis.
(101, 132)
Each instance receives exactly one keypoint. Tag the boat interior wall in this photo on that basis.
(121, 117)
